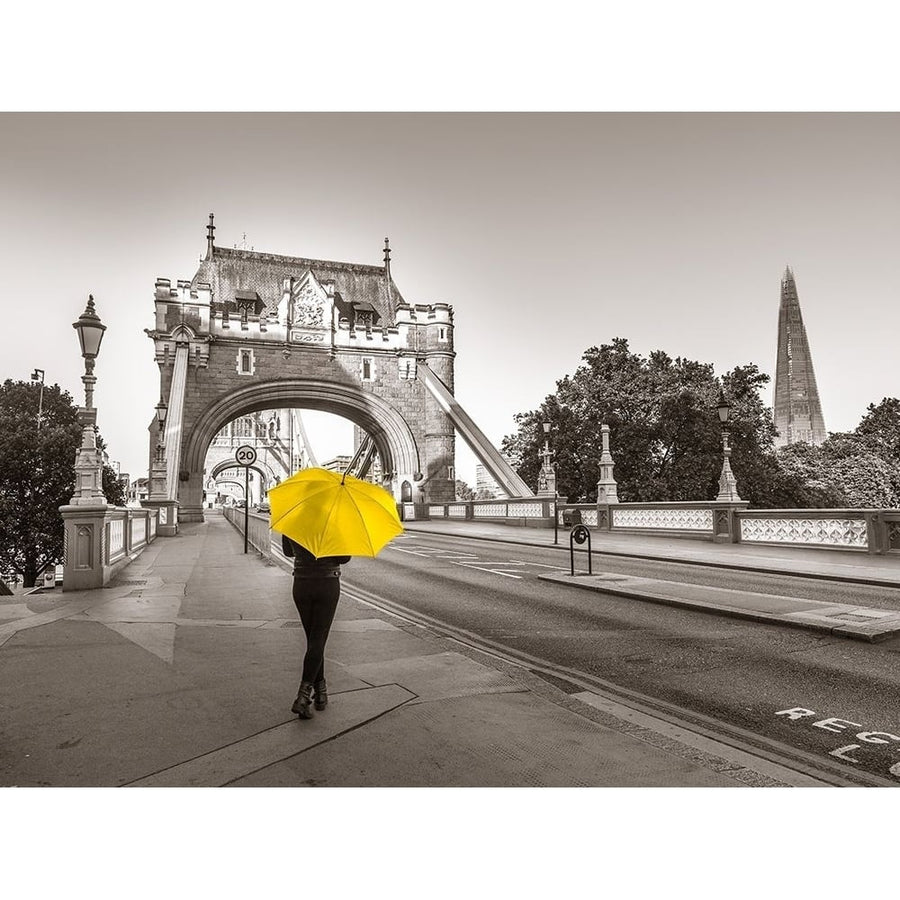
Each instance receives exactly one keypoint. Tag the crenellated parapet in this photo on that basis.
(182, 317)
(310, 314)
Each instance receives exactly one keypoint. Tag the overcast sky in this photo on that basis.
(548, 233)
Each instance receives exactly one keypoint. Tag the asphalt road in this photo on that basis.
(842, 695)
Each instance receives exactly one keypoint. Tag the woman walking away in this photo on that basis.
(317, 588)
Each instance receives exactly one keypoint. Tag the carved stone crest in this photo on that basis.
(309, 308)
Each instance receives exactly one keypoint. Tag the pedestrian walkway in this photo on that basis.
(182, 673)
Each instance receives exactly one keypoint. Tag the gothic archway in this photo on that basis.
(393, 437)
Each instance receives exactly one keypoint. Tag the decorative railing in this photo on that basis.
(533, 511)
(259, 535)
(126, 531)
(875, 530)
(115, 540)
(662, 517)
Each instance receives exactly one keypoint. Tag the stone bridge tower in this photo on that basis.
(253, 331)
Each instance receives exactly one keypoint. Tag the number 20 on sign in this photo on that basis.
(245, 455)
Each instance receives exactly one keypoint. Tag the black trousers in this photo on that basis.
(316, 600)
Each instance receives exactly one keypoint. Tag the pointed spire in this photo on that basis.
(387, 273)
(797, 409)
(210, 233)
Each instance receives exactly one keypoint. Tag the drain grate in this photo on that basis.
(291, 624)
(131, 581)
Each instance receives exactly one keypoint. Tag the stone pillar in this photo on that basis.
(158, 495)
(606, 486)
(727, 482)
(726, 525)
(83, 540)
(440, 439)
(88, 463)
(167, 525)
(547, 473)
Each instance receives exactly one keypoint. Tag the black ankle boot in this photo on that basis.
(303, 701)
(321, 694)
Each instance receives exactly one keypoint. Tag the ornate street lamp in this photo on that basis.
(727, 483)
(161, 411)
(38, 375)
(89, 460)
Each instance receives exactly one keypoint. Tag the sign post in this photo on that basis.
(246, 456)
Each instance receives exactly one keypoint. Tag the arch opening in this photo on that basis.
(393, 438)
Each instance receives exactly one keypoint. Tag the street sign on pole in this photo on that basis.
(246, 456)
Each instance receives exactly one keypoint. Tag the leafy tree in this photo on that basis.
(666, 438)
(860, 468)
(879, 429)
(463, 491)
(37, 475)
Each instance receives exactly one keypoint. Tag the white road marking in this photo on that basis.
(542, 565)
(838, 726)
(492, 571)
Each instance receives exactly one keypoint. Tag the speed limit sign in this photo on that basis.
(245, 455)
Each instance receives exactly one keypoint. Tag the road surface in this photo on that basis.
(827, 701)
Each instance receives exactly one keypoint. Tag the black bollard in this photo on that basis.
(579, 535)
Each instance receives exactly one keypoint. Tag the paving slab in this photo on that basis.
(231, 763)
(437, 676)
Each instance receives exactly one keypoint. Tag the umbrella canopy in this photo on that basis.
(333, 514)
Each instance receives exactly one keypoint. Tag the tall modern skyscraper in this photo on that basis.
(798, 412)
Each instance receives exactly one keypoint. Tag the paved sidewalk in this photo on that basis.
(182, 673)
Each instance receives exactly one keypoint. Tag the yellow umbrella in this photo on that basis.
(333, 514)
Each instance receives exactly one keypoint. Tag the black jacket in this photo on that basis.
(307, 565)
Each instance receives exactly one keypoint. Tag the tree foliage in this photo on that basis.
(37, 475)
(857, 469)
(666, 438)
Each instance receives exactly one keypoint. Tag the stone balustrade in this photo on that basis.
(869, 530)
(534, 512)
(866, 530)
(100, 540)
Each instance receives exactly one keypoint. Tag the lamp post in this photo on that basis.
(89, 460)
(38, 375)
(548, 481)
(727, 483)
(162, 410)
